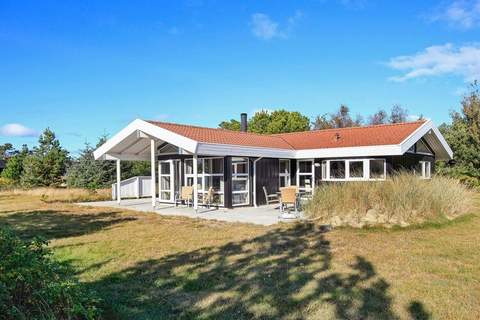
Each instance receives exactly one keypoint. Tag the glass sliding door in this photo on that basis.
(165, 180)
(240, 182)
(209, 175)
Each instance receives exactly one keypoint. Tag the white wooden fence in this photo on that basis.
(134, 187)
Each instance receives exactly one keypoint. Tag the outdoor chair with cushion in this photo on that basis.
(288, 196)
(185, 196)
(270, 197)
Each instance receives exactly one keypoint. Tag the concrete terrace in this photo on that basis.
(263, 215)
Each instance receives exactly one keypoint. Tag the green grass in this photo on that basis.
(146, 266)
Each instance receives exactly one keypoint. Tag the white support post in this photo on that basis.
(119, 180)
(152, 181)
(195, 184)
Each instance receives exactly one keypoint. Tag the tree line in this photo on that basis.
(49, 164)
(283, 121)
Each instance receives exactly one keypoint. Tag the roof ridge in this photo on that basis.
(350, 128)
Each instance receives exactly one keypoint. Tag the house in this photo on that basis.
(237, 165)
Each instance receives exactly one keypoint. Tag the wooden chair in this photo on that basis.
(185, 196)
(270, 197)
(288, 196)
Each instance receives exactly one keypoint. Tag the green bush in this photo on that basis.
(35, 286)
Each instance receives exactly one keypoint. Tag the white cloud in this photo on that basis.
(439, 60)
(17, 130)
(265, 28)
(459, 13)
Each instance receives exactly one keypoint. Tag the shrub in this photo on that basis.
(66, 194)
(402, 199)
(34, 286)
(6, 183)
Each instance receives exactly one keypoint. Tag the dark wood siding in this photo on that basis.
(227, 182)
(267, 175)
(293, 172)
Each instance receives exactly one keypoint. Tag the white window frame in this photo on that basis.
(426, 169)
(171, 176)
(284, 175)
(366, 170)
(202, 189)
(311, 174)
(241, 176)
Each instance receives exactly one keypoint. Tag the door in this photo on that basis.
(166, 180)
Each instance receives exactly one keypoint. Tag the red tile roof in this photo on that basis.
(351, 137)
(316, 139)
(222, 136)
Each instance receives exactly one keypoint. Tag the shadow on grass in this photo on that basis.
(285, 273)
(52, 224)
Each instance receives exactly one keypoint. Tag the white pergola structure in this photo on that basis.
(138, 142)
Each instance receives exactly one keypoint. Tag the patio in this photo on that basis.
(264, 215)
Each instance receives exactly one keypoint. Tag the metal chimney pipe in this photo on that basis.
(243, 122)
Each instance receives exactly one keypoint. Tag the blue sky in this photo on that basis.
(84, 68)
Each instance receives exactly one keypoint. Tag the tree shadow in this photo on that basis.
(53, 224)
(283, 274)
(417, 311)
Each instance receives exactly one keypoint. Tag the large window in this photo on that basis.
(353, 169)
(209, 174)
(240, 181)
(284, 173)
(337, 169)
(305, 175)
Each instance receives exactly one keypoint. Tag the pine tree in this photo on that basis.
(47, 164)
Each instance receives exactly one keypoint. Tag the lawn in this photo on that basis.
(145, 266)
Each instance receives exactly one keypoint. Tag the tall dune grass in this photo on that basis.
(65, 194)
(402, 199)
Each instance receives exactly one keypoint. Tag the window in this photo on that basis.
(284, 173)
(353, 169)
(421, 147)
(377, 169)
(210, 174)
(305, 175)
(426, 169)
(337, 169)
(240, 182)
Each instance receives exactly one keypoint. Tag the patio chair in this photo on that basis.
(185, 196)
(270, 197)
(288, 196)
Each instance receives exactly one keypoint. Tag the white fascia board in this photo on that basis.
(367, 151)
(420, 132)
(416, 135)
(442, 140)
(150, 129)
(236, 150)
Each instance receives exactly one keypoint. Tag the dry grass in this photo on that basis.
(64, 194)
(146, 266)
(403, 198)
